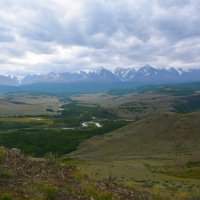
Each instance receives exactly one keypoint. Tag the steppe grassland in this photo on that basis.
(22, 105)
(130, 105)
(163, 159)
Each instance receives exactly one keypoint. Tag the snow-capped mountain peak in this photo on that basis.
(145, 75)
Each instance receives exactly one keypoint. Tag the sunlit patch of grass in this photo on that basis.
(4, 176)
(27, 120)
(88, 188)
(97, 194)
(45, 191)
(193, 173)
(167, 194)
(161, 191)
(72, 162)
(80, 175)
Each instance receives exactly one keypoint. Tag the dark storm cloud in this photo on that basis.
(60, 35)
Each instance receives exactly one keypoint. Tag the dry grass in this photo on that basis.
(159, 153)
(20, 105)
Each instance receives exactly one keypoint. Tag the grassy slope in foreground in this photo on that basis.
(26, 178)
(161, 133)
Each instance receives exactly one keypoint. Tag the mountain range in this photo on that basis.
(144, 75)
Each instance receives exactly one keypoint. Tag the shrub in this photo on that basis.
(2, 153)
(90, 190)
(80, 175)
(4, 174)
(49, 191)
(6, 196)
(51, 157)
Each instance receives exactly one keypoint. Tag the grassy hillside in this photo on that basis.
(160, 133)
(159, 154)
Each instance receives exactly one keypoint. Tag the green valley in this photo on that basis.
(145, 142)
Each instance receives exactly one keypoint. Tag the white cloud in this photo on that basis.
(57, 35)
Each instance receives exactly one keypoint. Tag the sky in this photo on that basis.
(38, 36)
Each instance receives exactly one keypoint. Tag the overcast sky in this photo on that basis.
(38, 36)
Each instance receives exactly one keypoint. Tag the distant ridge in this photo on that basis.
(145, 75)
(8, 80)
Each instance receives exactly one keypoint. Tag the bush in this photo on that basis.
(49, 191)
(6, 197)
(4, 174)
(51, 157)
(2, 153)
(80, 176)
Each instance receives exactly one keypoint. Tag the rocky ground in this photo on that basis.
(22, 177)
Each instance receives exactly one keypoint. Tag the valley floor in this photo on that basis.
(141, 145)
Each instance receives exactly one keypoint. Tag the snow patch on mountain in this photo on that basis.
(146, 74)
